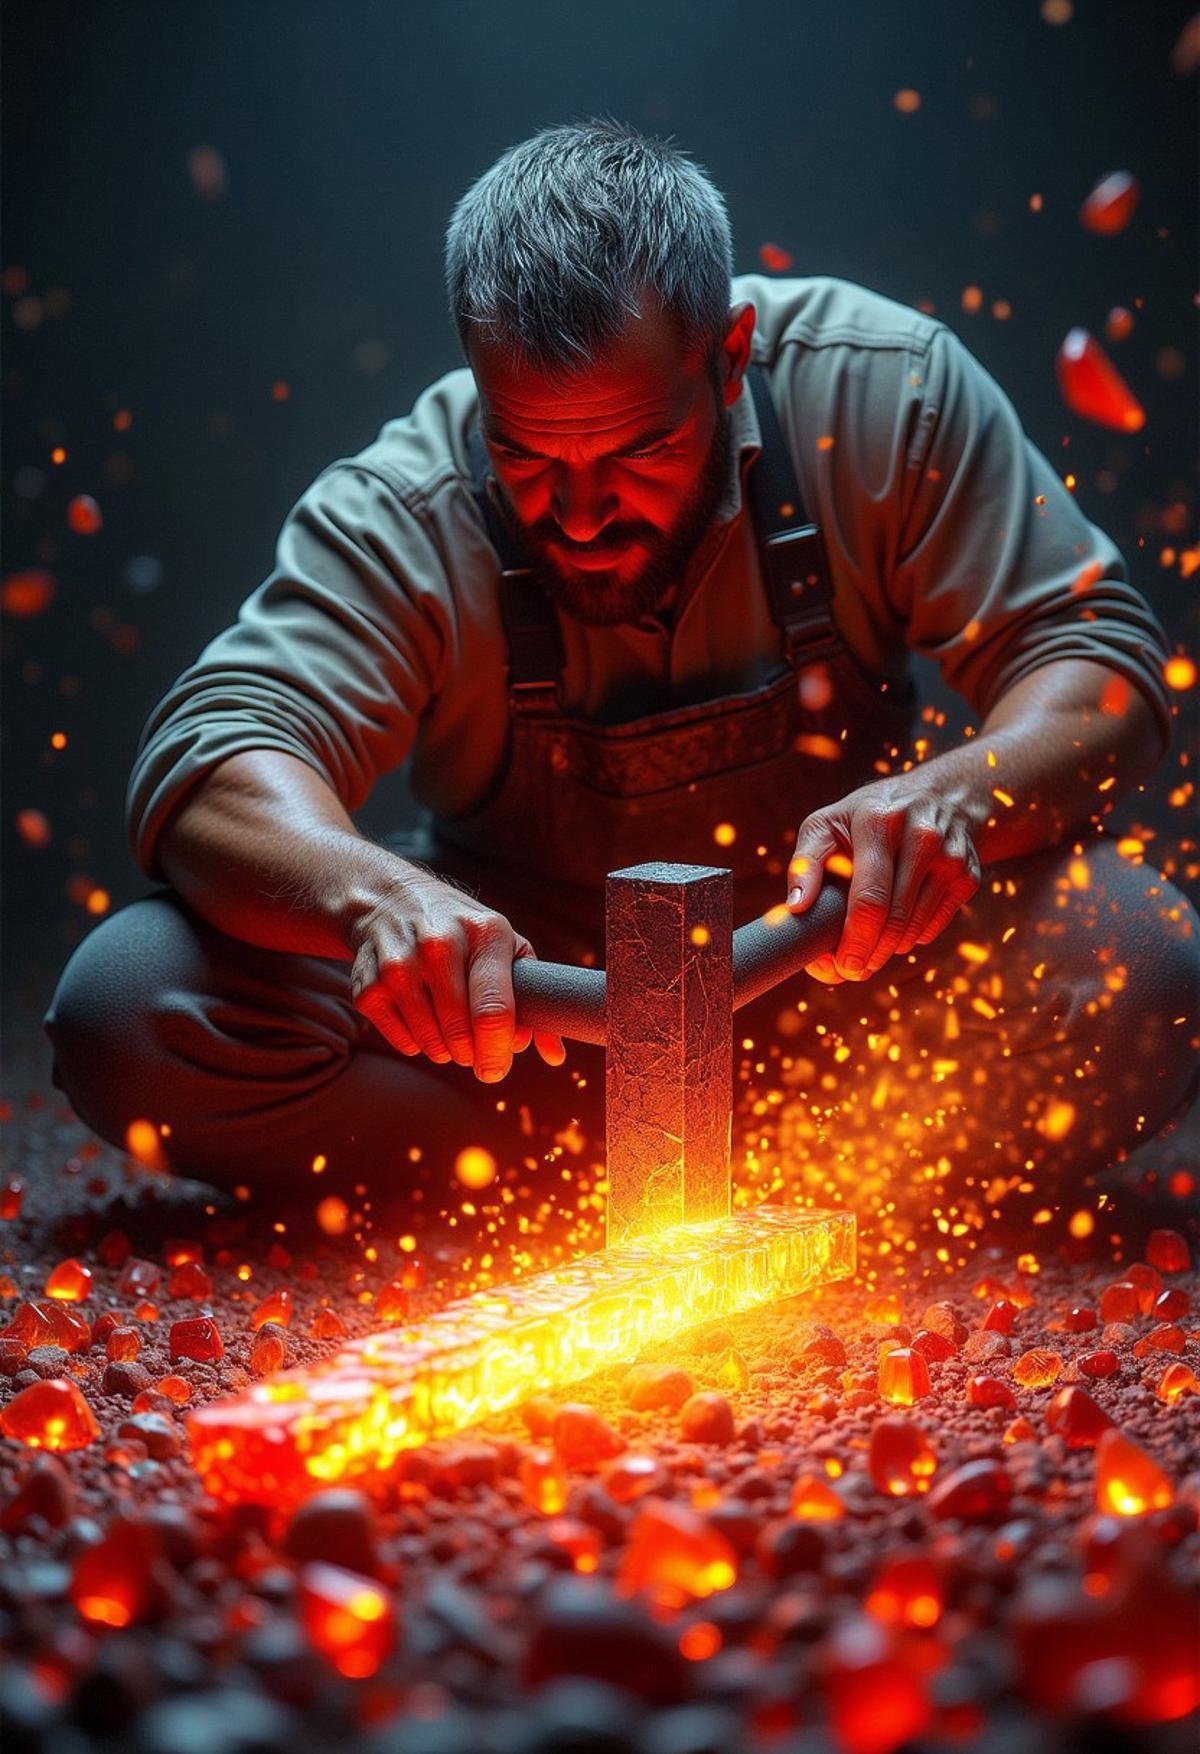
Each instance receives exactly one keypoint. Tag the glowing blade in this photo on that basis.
(353, 1415)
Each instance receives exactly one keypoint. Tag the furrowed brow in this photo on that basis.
(642, 443)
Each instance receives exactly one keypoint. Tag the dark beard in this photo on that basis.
(600, 598)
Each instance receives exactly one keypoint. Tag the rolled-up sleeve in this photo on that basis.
(996, 571)
(333, 658)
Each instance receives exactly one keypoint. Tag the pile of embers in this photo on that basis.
(962, 1514)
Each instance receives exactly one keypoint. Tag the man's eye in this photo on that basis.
(623, 457)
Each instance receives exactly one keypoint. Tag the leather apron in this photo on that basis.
(577, 799)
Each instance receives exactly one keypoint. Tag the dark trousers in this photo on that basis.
(1052, 1027)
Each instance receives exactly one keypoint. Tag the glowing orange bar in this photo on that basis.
(351, 1416)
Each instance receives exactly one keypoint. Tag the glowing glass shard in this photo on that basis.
(353, 1415)
(1092, 387)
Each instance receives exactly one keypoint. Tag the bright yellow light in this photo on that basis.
(351, 1415)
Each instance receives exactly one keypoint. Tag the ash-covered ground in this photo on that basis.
(739, 1547)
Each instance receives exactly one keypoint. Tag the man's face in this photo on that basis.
(611, 479)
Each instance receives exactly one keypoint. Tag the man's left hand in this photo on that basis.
(914, 864)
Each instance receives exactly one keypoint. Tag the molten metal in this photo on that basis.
(351, 1416)
(676, 973)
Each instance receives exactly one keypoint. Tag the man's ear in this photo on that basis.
(735, 349)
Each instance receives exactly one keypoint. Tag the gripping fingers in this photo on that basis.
(493, 1006)
(868, 901)
(441, 960)
(919, 852)
(371, 999)
(407, 992)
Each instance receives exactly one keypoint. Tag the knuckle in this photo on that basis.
(873, 897)
(436, 949)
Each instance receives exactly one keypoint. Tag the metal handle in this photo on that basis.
(563, 1000)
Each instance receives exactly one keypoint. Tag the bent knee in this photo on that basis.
(98, 1019)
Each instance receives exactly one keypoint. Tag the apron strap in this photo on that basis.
(535, 649)
(795, 566)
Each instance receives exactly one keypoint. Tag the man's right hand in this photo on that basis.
(433, 971)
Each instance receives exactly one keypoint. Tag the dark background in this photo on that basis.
(146, 325)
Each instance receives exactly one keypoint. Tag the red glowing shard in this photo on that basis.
(814, 1500)
(1168, 1251)
(1075, 1417)
(1119, 1302)
(1000, 1318)
(774, 258)
(275, 1308)
(1177, 1380)
(28, 593)
(1111, 204)
(877, 1697)
(70, 1282)
(544, 1482)
(1129, 1482)
(1037, 1369)
(138, 1279)
(900, 1458)
(676, 1555)
(50, 1415)
(83, 515)
(989, 1391)
(198, 1338)
(189, 1280)
(113, 1583)
(978, 1492)
(906, 1592)
(1092, 387)
(349, 1618)
(903, 1377)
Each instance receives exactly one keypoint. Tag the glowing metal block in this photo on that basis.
(664, 1008)
(353, 1415)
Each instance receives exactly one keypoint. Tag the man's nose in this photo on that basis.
(582, 505)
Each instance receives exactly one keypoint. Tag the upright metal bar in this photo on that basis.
(669, 1068)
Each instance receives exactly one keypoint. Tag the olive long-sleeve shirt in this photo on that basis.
(377, 635)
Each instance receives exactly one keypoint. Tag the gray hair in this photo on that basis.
(548, 252)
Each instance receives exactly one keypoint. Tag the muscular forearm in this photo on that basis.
(1053, 755)
(263, 849)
